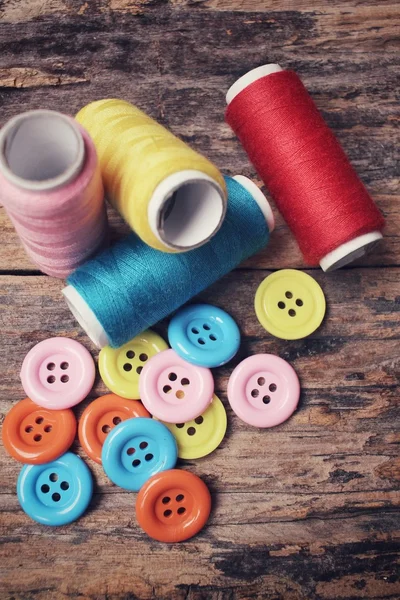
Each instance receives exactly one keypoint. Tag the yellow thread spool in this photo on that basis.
(171, 196)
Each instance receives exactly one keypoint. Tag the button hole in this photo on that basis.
(139, 370)
(172, 376)
(127, 367)
(255, 393)
(261, 381)
(180, 394)
(64, 485)
(130, 354)
(191, 431)
(47, 429)
(56, 497)
(213, 338)
(166, 499)
(37, 437)
(299, 302)
(167, 513)
(64, 366)
(199, 420)
(206, 327)
(292, 313)
(167, 389)
(130, 451)
(181, 510)
(51, 379)
(29, 428)
(106, 429)
(45, 489)
(281, 305)
(117, 420)
(266, 399)
(195, 330)
(143, 357)
(136, 462)
(272, 387)
(65, 379)
(180, 425)
(53, 477)
(148, 457)
(289, 295)
(143, 445)
(185, 381)
(201, 341)
(39, 420)
(51, 366)
(180, 497)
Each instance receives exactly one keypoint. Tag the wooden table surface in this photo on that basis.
(306, 510)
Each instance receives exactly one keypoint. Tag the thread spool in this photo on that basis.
(307, 172)
(51, 188)
(131, 286)
(171, 196)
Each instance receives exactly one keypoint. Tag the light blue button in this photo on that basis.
(55, 493)
(135, 450)
(204, 335)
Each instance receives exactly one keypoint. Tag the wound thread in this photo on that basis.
(131, 286)
(51, 188)
(170, 195)
(304, 167)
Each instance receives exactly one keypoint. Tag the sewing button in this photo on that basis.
(173, 390)
(202, 435)
(35, 435)
(57, 373)
(204, 335)
(101, 416)
(55, 493)
(173, 506)
(135, 450)
(290, 304)
(263, 390)
(120, 368)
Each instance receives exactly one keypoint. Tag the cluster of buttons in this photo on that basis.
(138, 442)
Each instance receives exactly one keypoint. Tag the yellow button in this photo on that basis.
(201, 436)
(120, 367)
(290, 304)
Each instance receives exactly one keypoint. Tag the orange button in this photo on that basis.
(173, 506)
(36, 435)
(102, 415)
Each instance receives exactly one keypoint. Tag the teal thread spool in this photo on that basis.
(131, 286)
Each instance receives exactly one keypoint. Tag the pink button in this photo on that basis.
(263, 390)
(58, 373)
(174, 390)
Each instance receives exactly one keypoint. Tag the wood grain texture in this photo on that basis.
(308, 510)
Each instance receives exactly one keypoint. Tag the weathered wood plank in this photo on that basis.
(66, 65)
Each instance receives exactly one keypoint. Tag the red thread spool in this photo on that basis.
(314, 186)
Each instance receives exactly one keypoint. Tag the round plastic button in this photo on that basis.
(202, 435)
(55, 493)
(120, 368)
(173, 506)
(35, 435)
(204, 335)
(263, 390)
(58, 373)
(290, 304)
(173, 390)
(102, 415)
(135, 450)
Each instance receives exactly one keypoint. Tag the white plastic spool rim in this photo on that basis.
(345, 253)
(41, 150)
(186, 210)
(86, 317)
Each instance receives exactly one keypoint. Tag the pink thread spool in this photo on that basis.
(51, 188)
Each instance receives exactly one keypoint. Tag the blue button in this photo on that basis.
(204, 335)
(55, 493)
(135, 450)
